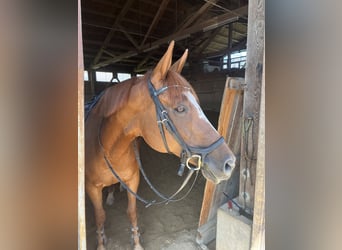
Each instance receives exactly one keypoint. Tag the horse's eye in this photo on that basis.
(180, 109)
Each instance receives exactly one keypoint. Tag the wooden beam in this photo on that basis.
(129, 37)
(221, 7)
(205, 7)
(207, 201)
(112, 31)
(98, 13)
(229, 127)
(156, 19)
(108, 53)
(142, 62)
(210, 24)
(251, 112)
(82, 243)
(208, 40)
(240, 45)
(230, 43)
(239, 33)
(258, 229)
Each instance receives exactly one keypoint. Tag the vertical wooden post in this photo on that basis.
(80, 119)
(230, 128)
(258, 229)
(251, 105)
(230, 45)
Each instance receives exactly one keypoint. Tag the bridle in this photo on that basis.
(188, 152)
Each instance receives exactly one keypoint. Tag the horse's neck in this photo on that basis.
(119, 130)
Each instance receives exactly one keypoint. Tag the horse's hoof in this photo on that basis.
(101, 247)
(138, 247)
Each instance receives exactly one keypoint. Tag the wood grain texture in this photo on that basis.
(229, 127)
(258, 229)
(80, 117)
(254, 69)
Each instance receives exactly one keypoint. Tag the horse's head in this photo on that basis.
(182, 128)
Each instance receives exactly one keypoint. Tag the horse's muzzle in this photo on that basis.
(216, 172)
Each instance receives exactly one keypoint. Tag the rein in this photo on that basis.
(165, 199)
(188, 152)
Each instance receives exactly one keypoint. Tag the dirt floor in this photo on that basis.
(167, 227)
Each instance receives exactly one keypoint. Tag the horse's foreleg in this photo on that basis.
(132, 211)
(95, 194)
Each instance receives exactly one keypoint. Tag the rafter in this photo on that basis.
(143, 61)
(156, 19)
(209, 40)
(108, 53)
(205, 7)
(238, 46)
(129, 37)
(112, 31)
(210, 24)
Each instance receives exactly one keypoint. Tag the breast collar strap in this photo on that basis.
(163, 120)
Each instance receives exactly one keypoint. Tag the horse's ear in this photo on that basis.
(163, 66)
(178, 66)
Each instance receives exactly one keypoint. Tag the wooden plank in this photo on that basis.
(258, 229)
(207, 232)
(209, 190)
(82, 244)
(251, 112)
(230, 102)
(229, 127)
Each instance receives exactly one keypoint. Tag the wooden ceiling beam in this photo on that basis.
(156, 19)
(210, 24)
(143, 61)
(239, 33)
(238, 46)
(112, 31)
(205, 7)
(137, 11)
(129, 37)
(208, 40)
(109, 53)
(114, 46)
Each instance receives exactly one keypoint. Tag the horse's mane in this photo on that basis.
(117, 96)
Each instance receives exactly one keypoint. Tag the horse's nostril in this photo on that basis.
(229, 165)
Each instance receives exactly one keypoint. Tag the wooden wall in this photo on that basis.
(208, 86)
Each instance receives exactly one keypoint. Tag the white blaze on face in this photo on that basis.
(197, 108)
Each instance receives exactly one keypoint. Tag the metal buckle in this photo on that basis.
(199, 162)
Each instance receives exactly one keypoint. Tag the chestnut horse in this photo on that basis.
(163, 109)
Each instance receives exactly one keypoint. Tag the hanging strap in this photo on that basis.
(164, 197)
